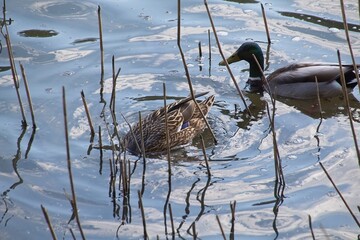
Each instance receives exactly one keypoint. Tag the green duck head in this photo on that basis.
(246, 52)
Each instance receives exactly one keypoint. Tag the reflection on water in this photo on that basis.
(38, 33)
(58, 43)
(63, 9)
(321, 21)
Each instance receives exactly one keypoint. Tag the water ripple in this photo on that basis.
(64, 9)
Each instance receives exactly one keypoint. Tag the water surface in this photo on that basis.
(58, 44)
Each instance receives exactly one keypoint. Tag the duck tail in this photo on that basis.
(350, 79)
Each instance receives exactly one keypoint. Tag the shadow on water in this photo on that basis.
(325, 22)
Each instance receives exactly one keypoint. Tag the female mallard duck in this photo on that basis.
(184, 123)
(296, 80)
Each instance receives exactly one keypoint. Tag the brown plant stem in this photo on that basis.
(101, 41)
(47, 218)
(346, 99)
(341, 196)
(223, 57)
(87, 113)
(265, 23)
(69, 166)
(28, 95)
(346, 28)
(188, 74)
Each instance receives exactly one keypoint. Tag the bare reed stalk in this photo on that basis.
(167, 135)
(167, 132)
(101, 150)
(47, 218)
(232, 230)
(311, 228)
(221, 228)
(113, 91)
(346, 28)
(125, 177)
(69, 166)
(187, 72)
(265, 23)
(72, 233)
(132, 132)
(111, 175)
(223, 57)
(14, 73)
(28, 95)
(101, 41)
(278, 166)
(171, 220)
(346, 99)
(143, 153)
(194, 231)
(264, 81)
(341, 196)
(209, 46)
(87, 113)
(319, 102)
(205, 157)
(142, 138)
(142, 215)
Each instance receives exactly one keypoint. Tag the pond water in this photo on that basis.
(58, 44)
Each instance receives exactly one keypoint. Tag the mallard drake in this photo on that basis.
(184, 123)
(296, 80)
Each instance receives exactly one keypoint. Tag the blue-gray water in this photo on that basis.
(57, 42)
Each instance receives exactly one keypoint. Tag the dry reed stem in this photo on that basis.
(28, 95)
(346, 28)
(171, 220)
(209, 46)
(194, 231)
(265, 23)
(223, 57)
(311, 228)
(264, 81)
(113, 91)
(14, 74)
(346, 99)
(221, 228)
(143, 155)
(341, 196)
(72, 233)
(142, 141)
(132, 132)
(101, 41)
(278, 166)
(12, 65)
(101, 150)
(188, 74)
(111, 175)
(319, 102)
(87, 113)
(69, 165)
(167, 132)
(168, 157)
(321, 118)
(142, 215)
(205, 157)
(47, 218)
(232, 229)
(125, 173)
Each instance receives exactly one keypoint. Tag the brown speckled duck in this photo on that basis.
(296, 80)
(184, 123)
